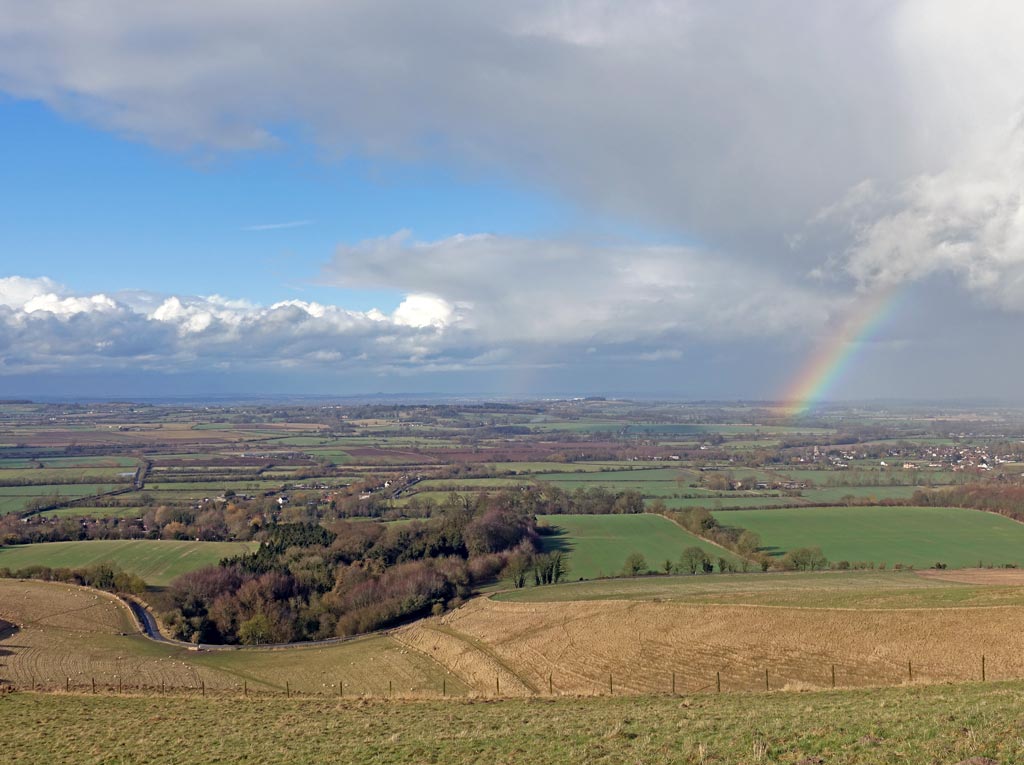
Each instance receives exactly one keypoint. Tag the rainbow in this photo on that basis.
(834, 355)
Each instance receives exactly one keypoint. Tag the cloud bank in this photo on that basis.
(470, 301)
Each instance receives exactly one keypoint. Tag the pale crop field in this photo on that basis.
(596, 647)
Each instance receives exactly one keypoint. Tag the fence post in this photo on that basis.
(161, 687)
(497, 685)
(910, 670)
(94, 685)
(67, 685)
(444, 686)
(718, 681)
(119, 684)
(391, 688)
(610, 690)
(341, 689)
(673, 683)
(203, 687)
(245, 688)
(833, 675)
(287, 690)
(983, 668)
(550, 687)
(766, 678)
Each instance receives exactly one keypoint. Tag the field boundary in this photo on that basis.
(701, 536)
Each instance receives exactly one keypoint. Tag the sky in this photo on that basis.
(681, 199)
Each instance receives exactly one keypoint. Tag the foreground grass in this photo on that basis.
(913, 726)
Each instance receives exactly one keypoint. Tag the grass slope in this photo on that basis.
(839, 589)
(598, 544)
(909, 535)
(156, 561)
(72, 634)
(912, 726)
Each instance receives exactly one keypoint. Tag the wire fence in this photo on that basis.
(883, 672)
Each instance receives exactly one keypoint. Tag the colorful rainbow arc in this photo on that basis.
(834, 356)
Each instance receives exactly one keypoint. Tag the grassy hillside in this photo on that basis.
(913, 726)
(577, 645)
(71, 634)
(846, 589)
(598, 544)
(910, 535)
(156, 561)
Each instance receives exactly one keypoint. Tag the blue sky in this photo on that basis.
(108, 213)
(508, 198)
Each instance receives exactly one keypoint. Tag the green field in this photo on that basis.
(723, 502)
(9, 476)
(156, 561)
(471, 484)
(437, 497)
(914, 536)
(564, 467)
(597, 545)
(870, 493)
(206, 488)
(657, 482)
(14, 499)
(969, 723)
(115, 511)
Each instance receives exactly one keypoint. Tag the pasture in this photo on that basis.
(79, 511)
(656, 482)
(156, 561)
(727, 501)
(916, 536)
(15, 499)
(597, 545)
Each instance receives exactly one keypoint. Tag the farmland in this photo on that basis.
(393, 519)
(913, 536)
(597, 545)
(158, 562)
(14, 499)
